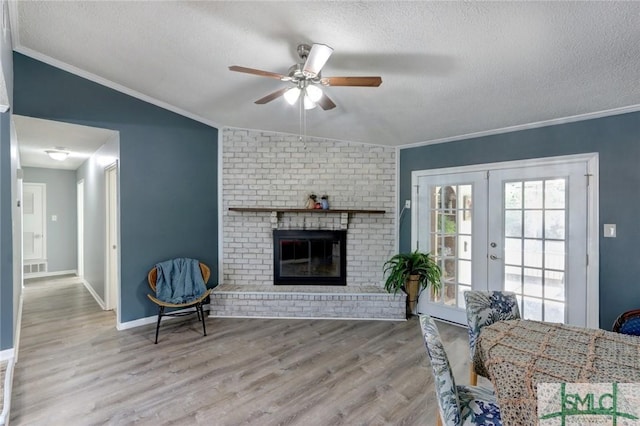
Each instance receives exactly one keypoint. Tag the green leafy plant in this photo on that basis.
(449, 225)
(402, 265)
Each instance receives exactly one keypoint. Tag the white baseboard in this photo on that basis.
(8, 384)
(50, 274)
(94, 294)
(7, 354)
(152, 320)
(306, 318)
(16, 338)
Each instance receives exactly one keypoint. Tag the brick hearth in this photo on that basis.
(370, 302)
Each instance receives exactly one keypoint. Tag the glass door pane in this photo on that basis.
(450, 215)
(531, 250)
(534, 222)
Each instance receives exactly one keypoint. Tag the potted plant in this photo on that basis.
(411, 273)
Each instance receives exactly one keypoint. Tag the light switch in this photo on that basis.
(609, 230)
(54, 218)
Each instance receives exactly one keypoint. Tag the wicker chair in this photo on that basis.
(152, 278)
(457, 404)
(484, 308)
(628, 323)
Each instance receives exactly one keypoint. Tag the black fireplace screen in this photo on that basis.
(309, 257)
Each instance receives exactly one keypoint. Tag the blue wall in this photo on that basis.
(615, 138)
(6, 238)
(168, 172)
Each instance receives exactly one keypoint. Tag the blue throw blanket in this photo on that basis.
(179, 280)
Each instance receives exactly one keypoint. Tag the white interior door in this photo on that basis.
(522, 229)
(34, 224)
(112, 237)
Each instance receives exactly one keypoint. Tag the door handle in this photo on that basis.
(494, 257)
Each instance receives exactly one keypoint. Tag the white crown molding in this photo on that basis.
(538, 124)
(110, 84)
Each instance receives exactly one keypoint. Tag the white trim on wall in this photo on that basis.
(94, 294)
(399, 208)
(51, 274)
(593, 242)
(527, 126)
(8, 385)
(154, 319)
(7, 354)
(220, 207)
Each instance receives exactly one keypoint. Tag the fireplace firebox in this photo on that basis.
(302, 257)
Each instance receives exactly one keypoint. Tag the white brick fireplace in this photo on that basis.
(272, 170)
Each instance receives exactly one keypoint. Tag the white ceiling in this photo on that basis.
(448, 68)
(35, 136)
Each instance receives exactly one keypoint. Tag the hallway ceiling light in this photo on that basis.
(57, 154)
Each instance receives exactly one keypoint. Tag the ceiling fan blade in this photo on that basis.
(258, 72)
(352, 81)
(318, 56)
(326, 103)
(272, 96)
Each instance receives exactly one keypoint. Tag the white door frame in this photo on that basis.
(80, 209)
(593, 220)
(112, 264)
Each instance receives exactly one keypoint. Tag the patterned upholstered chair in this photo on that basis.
(484, 308)
(458, 405)
(628, 323)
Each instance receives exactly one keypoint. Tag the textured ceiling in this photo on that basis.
(35, 136)
(448, 68)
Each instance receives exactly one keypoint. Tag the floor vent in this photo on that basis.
(34, 268)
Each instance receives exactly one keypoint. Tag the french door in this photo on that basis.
(522, 229)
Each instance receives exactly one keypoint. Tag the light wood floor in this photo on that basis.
(74, 368)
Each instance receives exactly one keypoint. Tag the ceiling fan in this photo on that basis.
(305, 79)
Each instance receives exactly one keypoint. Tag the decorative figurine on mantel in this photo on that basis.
(312, 201)
(324, 202)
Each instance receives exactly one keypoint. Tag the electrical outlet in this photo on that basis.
(407, 204)
(609, 230)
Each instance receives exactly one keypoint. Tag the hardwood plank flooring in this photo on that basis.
(3, 371)
(75, 368)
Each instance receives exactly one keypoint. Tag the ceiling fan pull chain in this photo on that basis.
(301, 127)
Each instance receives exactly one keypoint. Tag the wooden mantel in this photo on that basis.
(275, 211)
(288, 210)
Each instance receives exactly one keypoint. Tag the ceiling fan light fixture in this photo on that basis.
(314, 93)
(292, 95)
(56, 154)
(318, 56)
(308, 103)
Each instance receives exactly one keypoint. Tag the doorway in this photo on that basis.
(34, 236)
(519, 226)
(80, 209)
